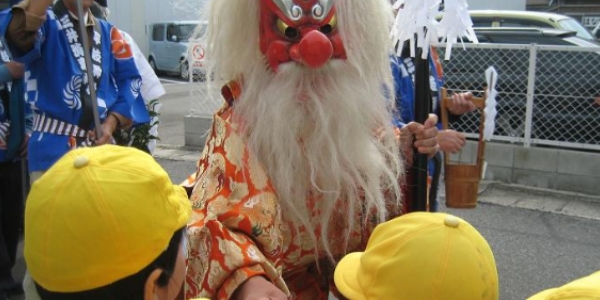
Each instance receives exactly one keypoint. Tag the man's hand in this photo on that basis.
(461, 103)
(16, 69)
(451, 140)
(108, 127)
(36, 7)
(258, 288)
(426, 138)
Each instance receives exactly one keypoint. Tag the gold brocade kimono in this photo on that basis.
(237, 230)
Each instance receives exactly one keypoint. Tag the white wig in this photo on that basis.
(324, 134)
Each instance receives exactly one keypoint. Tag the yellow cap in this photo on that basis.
(586, 288)
(420, 256)
(99, 215)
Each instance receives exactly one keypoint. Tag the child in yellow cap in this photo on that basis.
(586, 288)
(105, 223)
(418, 256)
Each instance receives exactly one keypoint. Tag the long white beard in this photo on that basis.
(319, 135)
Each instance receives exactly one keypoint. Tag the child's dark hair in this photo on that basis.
(128, 288)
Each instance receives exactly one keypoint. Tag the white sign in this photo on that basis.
(197, 54)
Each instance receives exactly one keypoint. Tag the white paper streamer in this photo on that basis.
(414, 18)
(418, 17)
(455, 24)
(491, 77)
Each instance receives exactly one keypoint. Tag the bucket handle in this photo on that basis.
(480, 104)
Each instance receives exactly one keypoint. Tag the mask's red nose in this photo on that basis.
(314, 50)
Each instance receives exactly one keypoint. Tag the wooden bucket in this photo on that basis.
(462, 185)
(462, 180)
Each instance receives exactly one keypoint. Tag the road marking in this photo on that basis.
(171, 81)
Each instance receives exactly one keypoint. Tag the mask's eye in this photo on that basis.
(329, 27)
(287, 31)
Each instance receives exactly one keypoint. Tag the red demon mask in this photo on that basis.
(304, 31)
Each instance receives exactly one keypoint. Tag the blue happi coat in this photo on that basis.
(54, 79)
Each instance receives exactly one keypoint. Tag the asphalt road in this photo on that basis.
(534, 250)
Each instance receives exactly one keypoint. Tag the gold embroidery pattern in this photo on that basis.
(237, 232)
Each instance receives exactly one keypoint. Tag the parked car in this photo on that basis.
(169, 42)
(510, 18)
(566, 83)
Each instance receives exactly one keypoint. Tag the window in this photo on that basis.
(482, 22)
(171, 32)
(524, 23)
(185, 31)
(158, 33)
(481, 38)
(572, 24)
(202, 30)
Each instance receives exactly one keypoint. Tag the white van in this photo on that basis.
(168, 48)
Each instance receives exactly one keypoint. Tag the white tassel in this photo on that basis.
(455, 24)
(419, 17)
(416, 17)
(491, 77)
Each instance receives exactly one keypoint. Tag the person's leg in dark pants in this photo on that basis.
(11, 210)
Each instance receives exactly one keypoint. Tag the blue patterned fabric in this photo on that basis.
(53, 81)
(16, 118)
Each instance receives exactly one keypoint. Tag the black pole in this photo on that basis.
(422, 110)
(85, 40)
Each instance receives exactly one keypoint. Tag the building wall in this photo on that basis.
(497, 4)
(134, 16)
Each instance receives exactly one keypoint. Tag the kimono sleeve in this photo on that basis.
(235, 230)
(125, 74)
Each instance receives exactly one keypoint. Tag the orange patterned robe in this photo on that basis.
(237, 230)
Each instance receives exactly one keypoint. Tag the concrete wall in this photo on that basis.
(548, 168)
(196, 129)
